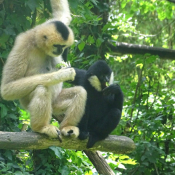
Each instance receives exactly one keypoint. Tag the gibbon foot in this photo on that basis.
(51, 131)
(71, 131)
(83, 135)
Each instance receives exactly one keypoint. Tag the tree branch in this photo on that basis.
(29, 140)
(126, 48)
(99, 162)
(173, 1)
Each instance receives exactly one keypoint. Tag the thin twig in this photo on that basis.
(137, 87)
(156, 169)
(2, 61)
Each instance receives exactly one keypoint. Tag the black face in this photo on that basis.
(64, 55)
(102, 71)
(104, 80)
(58, 49)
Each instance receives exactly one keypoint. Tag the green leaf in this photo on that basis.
(73, 4)
(81, 46)
(65, 171)
(12, 116)
(32, 4)
(94, 2)
(18, 173)
(8, 154)
(3, 110)
(106, 27)
(57, 151)
(4, 38)
(123, 4)
(90, 39)
(99, 41)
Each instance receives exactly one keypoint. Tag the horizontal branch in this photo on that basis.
(173, 1)
(126, 48)
(30, 140)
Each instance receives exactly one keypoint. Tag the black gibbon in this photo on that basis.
(104, 104)
(30, 75)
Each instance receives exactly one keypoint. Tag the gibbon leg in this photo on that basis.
(40, 112)
(71, 102)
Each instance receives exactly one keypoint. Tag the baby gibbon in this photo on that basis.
(30, 75)
(104, 104)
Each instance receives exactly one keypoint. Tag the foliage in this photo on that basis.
(148, 114)
(148, 83)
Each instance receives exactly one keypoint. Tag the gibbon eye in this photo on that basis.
(104, 78)
(45, 37)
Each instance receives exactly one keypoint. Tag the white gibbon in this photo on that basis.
(30, 75)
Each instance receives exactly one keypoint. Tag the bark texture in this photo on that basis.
(99, 163)
(29, 140)
(126, 48)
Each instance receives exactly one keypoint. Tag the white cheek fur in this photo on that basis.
(111, 81)
(94, 81)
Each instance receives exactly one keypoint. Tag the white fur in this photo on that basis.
(63, 14)
(111, 81)
(30, 75)
(94, 81)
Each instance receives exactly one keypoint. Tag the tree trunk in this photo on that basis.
(99, 162)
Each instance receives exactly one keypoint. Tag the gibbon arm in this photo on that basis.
(111, 119)
(17, 89)
(79, 81)
(106, 126)
(60, 11)
(114, 89)
(79, 78)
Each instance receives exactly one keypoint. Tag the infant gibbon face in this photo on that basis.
(100, 76)
(53, 37)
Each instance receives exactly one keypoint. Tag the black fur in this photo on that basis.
(59, 49)
(103, 108)
(62, 28)
(64, 55)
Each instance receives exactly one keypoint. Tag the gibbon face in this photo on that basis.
(53, 37)
(100, 75)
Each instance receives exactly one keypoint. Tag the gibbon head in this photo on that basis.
(100, 75)
(53, 37)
